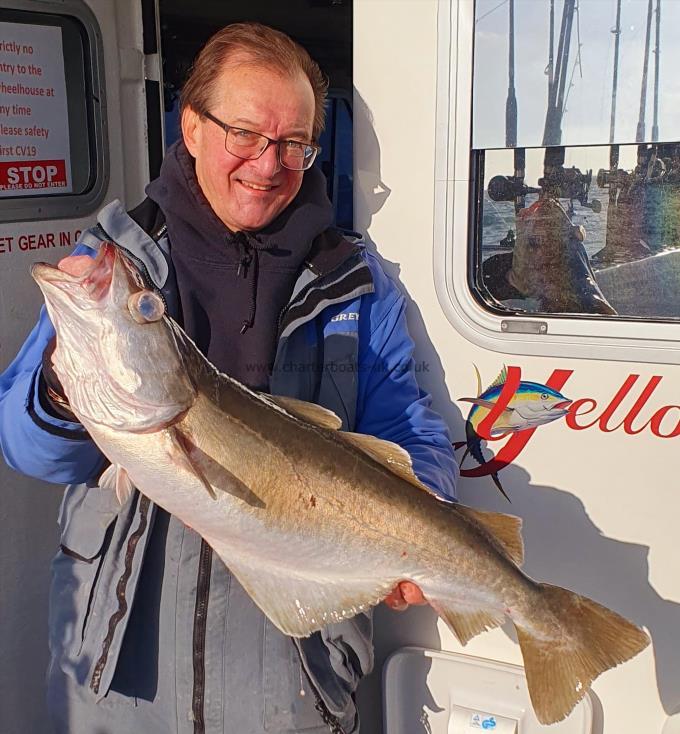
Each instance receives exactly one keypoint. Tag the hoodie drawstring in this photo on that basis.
(249, 249)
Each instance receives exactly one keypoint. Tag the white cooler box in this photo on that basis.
(430, 692)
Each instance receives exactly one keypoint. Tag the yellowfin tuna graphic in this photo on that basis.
(531, 405)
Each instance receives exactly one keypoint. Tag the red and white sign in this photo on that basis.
(25, 175)
(35, 155)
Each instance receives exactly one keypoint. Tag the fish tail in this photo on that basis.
(591, 639)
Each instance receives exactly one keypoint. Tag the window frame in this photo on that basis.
(71, 205)
(587, 336)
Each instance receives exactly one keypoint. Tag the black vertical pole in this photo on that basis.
(657, 52)
(565, 64)
(615, 80)
(552, 133)
(612, 237)
(611, 240)
(511, 102)
(551, 51)
(549, 131)
(519, 155)
(639, 138)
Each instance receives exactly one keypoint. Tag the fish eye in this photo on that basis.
(146, 307)
(544, 396)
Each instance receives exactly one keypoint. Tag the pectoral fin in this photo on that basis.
(212, 475)
(116, 479)
(181, 455)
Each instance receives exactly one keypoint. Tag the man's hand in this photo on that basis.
(403, 595)
(52, 396)
(76, 265)
(50, 389)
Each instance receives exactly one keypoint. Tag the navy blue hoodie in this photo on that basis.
(233, 286)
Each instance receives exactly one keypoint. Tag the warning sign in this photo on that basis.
(26, 175)
(35, 153)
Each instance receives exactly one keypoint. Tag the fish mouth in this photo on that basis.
(93, 275)
(564, 405)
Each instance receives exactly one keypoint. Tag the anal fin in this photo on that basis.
(299, 605)
(466, 622)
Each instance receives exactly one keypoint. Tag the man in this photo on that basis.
(147, 632)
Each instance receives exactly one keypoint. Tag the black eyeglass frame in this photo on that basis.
(315, 149)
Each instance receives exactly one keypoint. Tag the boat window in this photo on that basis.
(576, 159)
(52, 152)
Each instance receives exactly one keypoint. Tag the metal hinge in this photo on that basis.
(152, 68)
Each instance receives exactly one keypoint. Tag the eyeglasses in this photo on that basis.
(246, 144)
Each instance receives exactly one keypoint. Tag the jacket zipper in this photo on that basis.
(144, 272)
(205, 563)
(141, 265)
(317, 283)
(204, 569)
(121, 588)
(312, 284)
(200, 623)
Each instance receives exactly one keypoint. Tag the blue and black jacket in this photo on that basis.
(342, 343)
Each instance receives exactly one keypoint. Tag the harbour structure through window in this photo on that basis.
(576, 159)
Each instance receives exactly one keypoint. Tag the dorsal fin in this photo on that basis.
(308, 412)
(390, 455)
(506, 529)
(501, 379)
(479, 381)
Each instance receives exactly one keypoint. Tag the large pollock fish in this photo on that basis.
(316, 524)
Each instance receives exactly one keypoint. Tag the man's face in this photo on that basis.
(249, 194)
